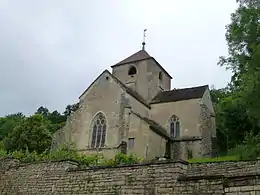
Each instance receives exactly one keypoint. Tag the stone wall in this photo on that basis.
(158, 178)
(206, 127)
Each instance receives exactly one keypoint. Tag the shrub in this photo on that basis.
(249, 149)
(69, 154)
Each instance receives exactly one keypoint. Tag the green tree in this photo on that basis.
(43, 111)
(8, 123)
(243, 38)
(237, 108)
(55, 119)
(71, 108)
(31, 134)
(232, 121)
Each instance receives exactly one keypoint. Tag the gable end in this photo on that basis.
(127, 89)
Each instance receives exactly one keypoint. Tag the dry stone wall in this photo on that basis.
(158, 178)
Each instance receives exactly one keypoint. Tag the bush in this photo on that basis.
(122, 159)
(2, 145)
(65, 154)
(30, 134)
(249, 149)
(3, 153)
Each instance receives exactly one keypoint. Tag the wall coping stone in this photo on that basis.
(129, 165)
(80, 167)
(215, 177)
(224, 161)
(21, 164)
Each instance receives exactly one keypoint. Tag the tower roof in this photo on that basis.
(138, 56)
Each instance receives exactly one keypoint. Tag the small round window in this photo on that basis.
(132, 71)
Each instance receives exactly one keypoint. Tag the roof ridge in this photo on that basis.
(198, 86)
(180, 94)
(137, 56)
(156, 127)
(134, 94)
(130, 91)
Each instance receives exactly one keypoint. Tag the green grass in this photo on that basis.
(215, 159)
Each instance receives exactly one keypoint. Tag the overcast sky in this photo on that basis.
(51, 50)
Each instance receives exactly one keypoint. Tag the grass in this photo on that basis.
(215, 159)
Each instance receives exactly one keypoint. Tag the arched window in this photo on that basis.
(174, 127)
(132, 71)
(99, 128)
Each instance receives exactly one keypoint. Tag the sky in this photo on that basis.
(51, 51)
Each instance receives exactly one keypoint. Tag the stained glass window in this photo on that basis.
(98, 131)
(177, 123)
(174, 127)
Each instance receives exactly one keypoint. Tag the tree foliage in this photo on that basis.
(232, 121)
(18, 132)
(237, 106)
(71, 108)
(8, 123)
(31, 134)
(56, 120)
(243, 39)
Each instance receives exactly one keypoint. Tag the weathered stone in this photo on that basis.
(137, 109)
(159, 178)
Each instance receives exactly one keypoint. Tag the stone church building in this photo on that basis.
(134, 110)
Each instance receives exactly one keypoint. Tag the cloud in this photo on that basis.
(50, 51)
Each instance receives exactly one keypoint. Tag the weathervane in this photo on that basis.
(144, 39)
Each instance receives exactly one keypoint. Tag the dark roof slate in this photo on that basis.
(180, 94)
(138, 56)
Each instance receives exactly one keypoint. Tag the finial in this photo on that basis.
(143, 43)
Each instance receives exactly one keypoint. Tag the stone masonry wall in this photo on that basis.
(206, 131)
(159, 178)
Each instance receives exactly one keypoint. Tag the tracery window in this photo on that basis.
(174, 127)
(99, 128)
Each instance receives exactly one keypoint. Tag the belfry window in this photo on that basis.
(132, 71)
(174, 127)
(160, 76)
(99, 128)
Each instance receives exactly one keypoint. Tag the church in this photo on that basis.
(133, 109)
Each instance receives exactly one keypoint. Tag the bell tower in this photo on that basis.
(142, 73)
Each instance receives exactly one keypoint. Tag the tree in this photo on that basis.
(55, 119)
(43, 111)
(251, 3)
(31, 134)
(71, 108)
(8, 123)
(232, 121)
(243, 38)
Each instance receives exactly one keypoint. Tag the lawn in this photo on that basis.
(215, 159)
